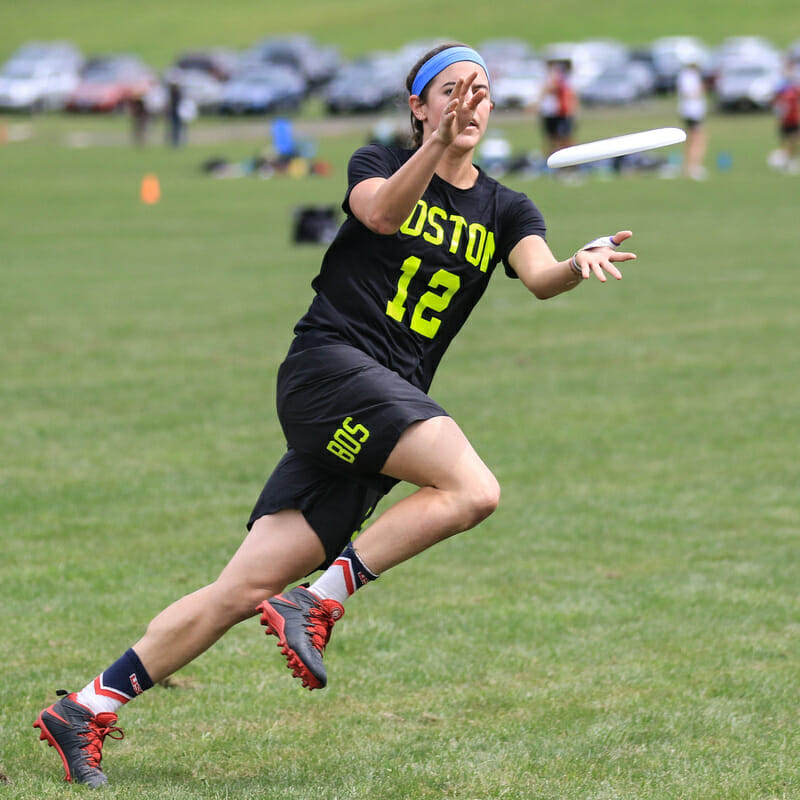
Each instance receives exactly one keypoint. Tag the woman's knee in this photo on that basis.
(480, 499)
(489, 497)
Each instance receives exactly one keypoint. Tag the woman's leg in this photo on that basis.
(457, 491)
(280, 548)
(695, 149)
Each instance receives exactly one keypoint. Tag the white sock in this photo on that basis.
(97, 699)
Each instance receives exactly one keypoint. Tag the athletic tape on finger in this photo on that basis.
(602, 241)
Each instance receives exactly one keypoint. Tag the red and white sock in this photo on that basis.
(342, 578)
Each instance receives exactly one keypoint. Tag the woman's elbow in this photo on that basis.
(539, 290)
(382, 225)
(545, 293)
(544, 287)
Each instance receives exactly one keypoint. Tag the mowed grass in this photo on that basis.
(158, 30)
(626, 624)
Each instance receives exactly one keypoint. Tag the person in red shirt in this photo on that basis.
(558, 106)
(787, 109)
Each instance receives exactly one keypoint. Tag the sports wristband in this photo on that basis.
(573, 265)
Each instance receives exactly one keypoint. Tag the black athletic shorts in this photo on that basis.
(342, 414)
(558, 126)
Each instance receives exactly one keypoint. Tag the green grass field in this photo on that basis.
(627, 624)
(158, 30)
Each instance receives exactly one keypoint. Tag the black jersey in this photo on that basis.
(402, 298)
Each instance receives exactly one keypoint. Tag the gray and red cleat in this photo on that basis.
(302, 622)
(77, 734)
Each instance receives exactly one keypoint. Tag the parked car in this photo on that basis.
(315, 62)
(367, 84)
(753, 49)
(671, 53)
(519, 84)
(31, 85)
(747, 86)
(109, 83)
(262, 90)
(620, 85)
(747, 72)
(39, 76)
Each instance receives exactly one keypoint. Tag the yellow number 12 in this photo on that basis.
(448, 284)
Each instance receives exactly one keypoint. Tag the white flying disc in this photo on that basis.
(616, 146)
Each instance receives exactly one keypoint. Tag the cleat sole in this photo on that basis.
(46, 736)
(293, 662)
(297, 667)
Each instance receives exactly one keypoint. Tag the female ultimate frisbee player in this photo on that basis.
(425, 230)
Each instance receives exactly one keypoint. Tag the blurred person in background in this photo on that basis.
(140, 118)
(425, 231)
(558, 106)
(181, 110)
(692, 108)
(787, 110)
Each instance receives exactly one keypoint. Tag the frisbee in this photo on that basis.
(616, 146)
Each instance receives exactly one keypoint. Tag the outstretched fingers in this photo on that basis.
(599, 268)
(615, 255)
(470, 99)
(458, 113)
(599, 261)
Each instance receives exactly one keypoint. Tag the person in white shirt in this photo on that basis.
(692, 108)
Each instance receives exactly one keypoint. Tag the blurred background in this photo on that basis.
(187, 65)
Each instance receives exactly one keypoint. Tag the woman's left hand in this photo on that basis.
(598, 261)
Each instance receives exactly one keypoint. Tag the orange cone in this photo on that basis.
(151, 190)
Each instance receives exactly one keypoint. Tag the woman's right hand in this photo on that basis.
(458, 113)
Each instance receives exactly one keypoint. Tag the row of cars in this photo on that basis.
(742, 73)
(274, 75)
(278, 74)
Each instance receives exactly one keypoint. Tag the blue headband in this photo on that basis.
(435, 64)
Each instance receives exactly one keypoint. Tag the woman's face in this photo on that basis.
(439, 94)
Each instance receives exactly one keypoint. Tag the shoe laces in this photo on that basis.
(319, 626)
(95, 733)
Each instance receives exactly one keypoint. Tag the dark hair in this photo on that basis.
(416, 124)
